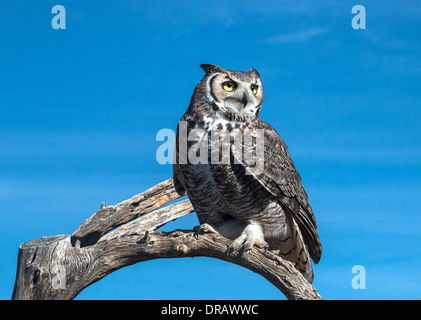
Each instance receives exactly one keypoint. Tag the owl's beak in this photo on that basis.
(245, 98)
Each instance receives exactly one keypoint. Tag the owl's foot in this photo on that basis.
(252, 235)
(203, 228)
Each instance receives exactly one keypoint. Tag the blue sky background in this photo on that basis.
(80, 109)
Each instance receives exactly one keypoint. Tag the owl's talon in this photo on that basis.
(196, 232)
(251, 236)
(246, 249)
(265, 247)
(230, 249)
(202, 229)
(240, 244)
(236, 244)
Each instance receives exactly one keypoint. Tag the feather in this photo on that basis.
(282, 180)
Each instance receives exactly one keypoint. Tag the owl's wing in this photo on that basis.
(280, 177)
(177, 178)
(177, 174)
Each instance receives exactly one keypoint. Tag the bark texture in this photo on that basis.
(60, 267)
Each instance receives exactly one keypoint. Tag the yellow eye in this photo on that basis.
(254, 89)
(229, 86)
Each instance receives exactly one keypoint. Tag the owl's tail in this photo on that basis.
(291, 247)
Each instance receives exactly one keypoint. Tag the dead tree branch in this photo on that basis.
(60, 267)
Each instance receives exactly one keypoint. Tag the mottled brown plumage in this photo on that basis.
(254, 195)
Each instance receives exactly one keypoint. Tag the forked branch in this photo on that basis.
(60, 267)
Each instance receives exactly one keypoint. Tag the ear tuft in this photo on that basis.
(211, 68)
(254, 71)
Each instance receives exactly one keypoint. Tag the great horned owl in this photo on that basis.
(267, 208)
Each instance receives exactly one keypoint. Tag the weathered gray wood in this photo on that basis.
(55, 268)
(83, 266)
(153, 221)
(49, 269)
(108, 218)
(40, 261)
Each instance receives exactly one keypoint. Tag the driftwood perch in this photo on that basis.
(60, 267)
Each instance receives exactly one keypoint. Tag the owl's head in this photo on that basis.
(235, 95)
